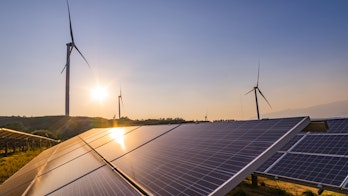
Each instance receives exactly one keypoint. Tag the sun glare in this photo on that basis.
(99, 94)
(118, 135)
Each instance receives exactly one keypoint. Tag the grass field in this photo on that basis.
(277, 188)
(11, 164)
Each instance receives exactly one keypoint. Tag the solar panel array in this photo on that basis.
(187, 159)
(314, 158)
(12, 140)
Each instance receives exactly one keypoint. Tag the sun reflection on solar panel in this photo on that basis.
(118, 135)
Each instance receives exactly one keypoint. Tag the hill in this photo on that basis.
(64, 127)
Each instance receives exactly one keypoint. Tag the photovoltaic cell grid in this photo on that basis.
(168, 159)
(338, 125)
(314, 158)
(323, 169)
(198, 159)
(323, 144)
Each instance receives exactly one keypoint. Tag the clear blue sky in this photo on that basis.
(180, 58)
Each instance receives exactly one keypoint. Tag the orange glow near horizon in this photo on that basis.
(118, 135)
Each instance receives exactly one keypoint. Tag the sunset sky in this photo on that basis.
(182, 58)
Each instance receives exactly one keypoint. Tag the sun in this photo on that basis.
(99, 93)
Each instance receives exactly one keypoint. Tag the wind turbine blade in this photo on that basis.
(63, 69)
(71, 32)
(82, 55)
(264, 97)
(249, 91)
(258, 76)
(121, 95)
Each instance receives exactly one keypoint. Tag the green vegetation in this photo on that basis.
(237, 192)
(247, 189)
(308, 193)
(11, 164)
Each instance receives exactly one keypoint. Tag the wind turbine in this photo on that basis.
(70, 46)
(119, 104)
(257, 89)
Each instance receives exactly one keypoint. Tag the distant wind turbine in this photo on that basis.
(70, 47)
(255, 89)
(119, 104)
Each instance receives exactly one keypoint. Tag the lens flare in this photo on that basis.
(99, 93)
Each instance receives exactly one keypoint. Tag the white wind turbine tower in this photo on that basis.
(257, 89)
(70, 47)
(119, 104)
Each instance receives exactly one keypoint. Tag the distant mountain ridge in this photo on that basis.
(336, 109)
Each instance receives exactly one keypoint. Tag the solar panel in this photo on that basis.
(19, 182)
(270, 161)
(202, 158)
(115, 144)
(291, 143)
(322, 169)
(315, 159)
(11, 140)
(338, 125)
(98, 182)
(65, 173)
(336, 144)
(205, 158)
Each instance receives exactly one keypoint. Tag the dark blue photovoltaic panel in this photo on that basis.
(64, 174)
(323, 144)
(99, 182)
(195, 159)
(269, 162)
(295, 139)
(115, 144)
(322, 169)
(338, 125)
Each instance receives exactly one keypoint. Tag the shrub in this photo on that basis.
(279, 192)
(239, 192)
(308, 193)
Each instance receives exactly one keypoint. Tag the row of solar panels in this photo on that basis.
(318, 159)
(15, 139)
(187, 159)
(8, 135)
